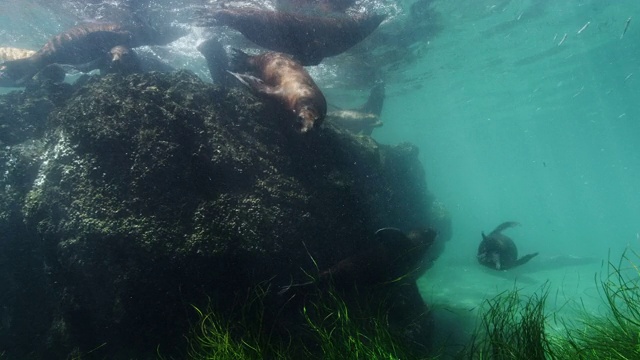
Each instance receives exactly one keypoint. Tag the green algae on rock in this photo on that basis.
(155, 191)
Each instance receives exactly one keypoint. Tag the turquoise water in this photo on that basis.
(515, 123)
(522, 110)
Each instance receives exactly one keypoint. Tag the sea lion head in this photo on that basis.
(123, 60)
(307, 116)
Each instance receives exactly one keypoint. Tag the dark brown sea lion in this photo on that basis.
(498, 251)
(85, 43)
(314, 5)
(364, 119)
(308, 39)
(392, 258)
(277, 76)
(118, 60)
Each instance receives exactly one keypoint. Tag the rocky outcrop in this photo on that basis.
(129, 198)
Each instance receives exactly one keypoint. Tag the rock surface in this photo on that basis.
(127, 199)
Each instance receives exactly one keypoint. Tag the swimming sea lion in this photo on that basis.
(314, 5)
(364, 119)
(277, 76)
(498, 251)
(308, 39)
(85, 43)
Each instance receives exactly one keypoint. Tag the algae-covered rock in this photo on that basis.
(157, 191)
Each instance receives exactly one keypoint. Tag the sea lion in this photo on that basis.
(364, 119)
(217, 60)
(392, 258)
(277, 76)
(314, 5)
(118, 60)
(499, 252)
(308, 39)
(86, 43)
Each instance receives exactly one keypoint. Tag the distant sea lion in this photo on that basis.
(308, 39)
(85, 43)
(277, 76)
(364, 119)
(498, 251)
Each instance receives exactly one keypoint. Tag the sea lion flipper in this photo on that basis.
(254, 83)
(504, 226)
(525, 259)
(375, 101)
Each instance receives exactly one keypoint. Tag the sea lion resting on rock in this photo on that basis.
(498, 251)
(86, 43)
(308, 39)
(277, 76)
(364, 119)
(392, 258)
(123, 60)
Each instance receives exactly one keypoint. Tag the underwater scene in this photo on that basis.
(319, 179)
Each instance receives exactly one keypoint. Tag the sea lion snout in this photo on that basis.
(307, 119)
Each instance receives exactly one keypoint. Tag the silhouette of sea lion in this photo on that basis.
(364, 119)
(392, 258)
(86, 43)
(277, 76)
(499, 252)
(308, 39)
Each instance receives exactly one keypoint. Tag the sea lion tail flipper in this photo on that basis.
(217, 60)
(240, 61)
(525, 259)
(253, 83)
(53, 72)
(505, 225)
(375, 101)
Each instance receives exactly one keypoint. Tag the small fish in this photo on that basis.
(584, 27)
(626, 27)
(563, 39)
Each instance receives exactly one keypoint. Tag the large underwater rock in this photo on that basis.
(127, 199)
